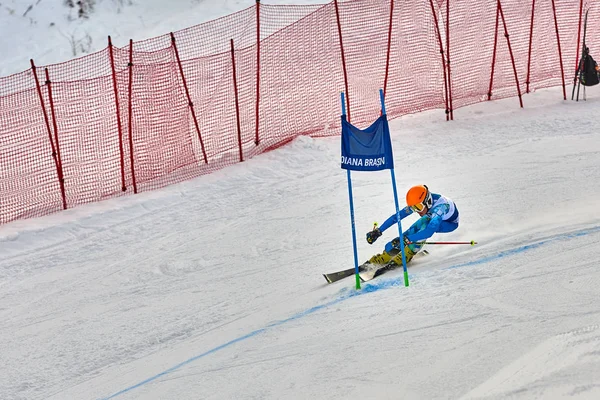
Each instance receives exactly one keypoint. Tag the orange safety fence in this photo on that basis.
(167, 109)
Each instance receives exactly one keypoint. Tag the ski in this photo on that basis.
(336, 276)
(366, 271)
(375, 270)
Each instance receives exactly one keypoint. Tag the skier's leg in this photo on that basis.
(391, 250)
(418, 226)
(446, 227)
(423, 223)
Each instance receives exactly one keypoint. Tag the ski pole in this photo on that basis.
(472, 243)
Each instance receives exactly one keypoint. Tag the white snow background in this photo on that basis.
(49, 32)
(212, 288)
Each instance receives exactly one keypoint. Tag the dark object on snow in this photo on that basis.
(588, 69)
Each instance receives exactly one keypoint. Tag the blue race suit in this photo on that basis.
(441, 217)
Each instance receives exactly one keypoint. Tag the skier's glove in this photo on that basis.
(373, 235)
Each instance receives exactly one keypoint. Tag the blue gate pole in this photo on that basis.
(399, 228)
(396, 202)
(382, 102)
(351, 207)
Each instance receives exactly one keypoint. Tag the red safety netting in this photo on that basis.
(166, 109)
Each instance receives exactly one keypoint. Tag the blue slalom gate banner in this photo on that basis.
(367, 149)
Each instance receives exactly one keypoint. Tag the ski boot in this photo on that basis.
(393, 255)
(408, 254)
(381, 259)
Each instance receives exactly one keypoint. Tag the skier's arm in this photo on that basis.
(436, 215)
(405, 212)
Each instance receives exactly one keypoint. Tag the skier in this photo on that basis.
(438, 214)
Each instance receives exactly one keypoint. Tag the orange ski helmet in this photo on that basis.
(419, 197)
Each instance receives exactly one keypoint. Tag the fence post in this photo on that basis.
(448, 58)
(119, 127)
(337, 16)
(256, 139)
(439, 36)
(55, 126)
(55, 153)
(512, 58)
(237, 104)
(189, 98)
(389, 45)
(562, 72)
(494, 54)
(130, 115)
(577, 53)
(529, 51)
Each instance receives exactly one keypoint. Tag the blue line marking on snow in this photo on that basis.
(249, 335)
(349, 293)
(500, 255)
(562, 236)
(256, 332)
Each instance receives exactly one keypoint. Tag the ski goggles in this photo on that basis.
(418, 207)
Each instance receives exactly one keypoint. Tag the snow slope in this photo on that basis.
(212, 289)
